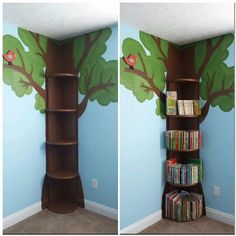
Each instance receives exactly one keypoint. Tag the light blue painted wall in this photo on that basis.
(218, 155)
(98, 150)
(24, 150)
(142, 154)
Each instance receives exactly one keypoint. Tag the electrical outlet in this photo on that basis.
(216, 191)
(95, 183)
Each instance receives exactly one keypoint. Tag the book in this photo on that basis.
(198, 162)
(183, 140)
(183, 206)
(196, 107)
(180, 107)
(189, 107)
(171, 102)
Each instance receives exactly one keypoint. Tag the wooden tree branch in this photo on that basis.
(210, 51)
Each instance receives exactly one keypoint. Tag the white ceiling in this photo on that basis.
(61, 20)
(180, 23)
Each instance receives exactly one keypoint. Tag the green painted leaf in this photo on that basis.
(164, 47)
(101, 78)
(18, 82)
(84, 50)
(200, 52)
(78, 48)
(160, 109)
(219, 55)
(154, 68)
(219, 83)
(150, 42)
(36, 43)
(40, 103)
(25, 63)
(43, 41)
(214, 41)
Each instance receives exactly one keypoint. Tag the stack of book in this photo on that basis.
(177, 173)
(183, 206)
(185, 107)
(189, 107)
(171, 97)
(183, 140)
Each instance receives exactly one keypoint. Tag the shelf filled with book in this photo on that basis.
(183, 139)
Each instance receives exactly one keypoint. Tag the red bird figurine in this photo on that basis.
(9, 56)
(131, 61)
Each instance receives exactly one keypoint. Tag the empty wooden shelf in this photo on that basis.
(62, 189)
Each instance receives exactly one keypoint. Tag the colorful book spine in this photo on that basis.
(183, 206)
(177, 173)
(183, 140)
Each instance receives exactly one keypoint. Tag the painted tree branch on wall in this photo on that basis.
(27, 72)
(97, 77)
(149, 75)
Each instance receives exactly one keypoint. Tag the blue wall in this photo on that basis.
(218, 155)
(142, 154)
(24, 150)
(98, 150)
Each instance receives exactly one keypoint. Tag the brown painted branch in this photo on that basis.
(82, 106)
(140, 73)
(21, 70)
(88, 45)
(210, 51)
(210, 99)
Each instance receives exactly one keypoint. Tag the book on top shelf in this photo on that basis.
(171, 103)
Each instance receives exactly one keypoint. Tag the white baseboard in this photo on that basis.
(101, 209)
(21, 215)
(220, 216)
(143, 223)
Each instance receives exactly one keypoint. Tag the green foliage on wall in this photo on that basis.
(27, 71)
(97, 77)
(148, 77)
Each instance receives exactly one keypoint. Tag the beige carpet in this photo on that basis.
(204, 225)
(80, 221)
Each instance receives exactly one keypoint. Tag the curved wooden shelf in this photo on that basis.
(183, 81)
(182, 185)
(176, 150)
(61, 110)
(182, 116)
(62, 207)
(62, 175)
(62, 75)
(62, 142)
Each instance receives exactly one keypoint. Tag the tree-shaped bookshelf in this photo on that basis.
(187, 89)
(62, 141)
